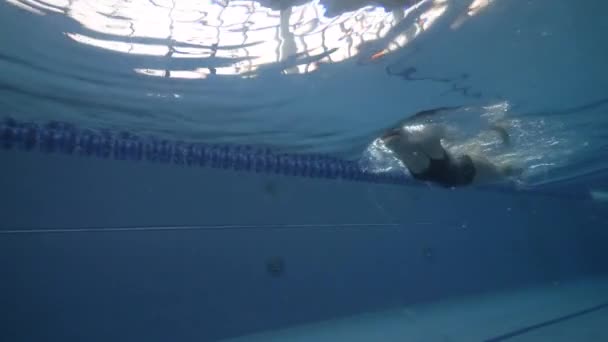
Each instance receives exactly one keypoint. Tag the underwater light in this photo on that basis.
(194, 39)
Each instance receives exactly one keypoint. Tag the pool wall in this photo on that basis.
(99, 249)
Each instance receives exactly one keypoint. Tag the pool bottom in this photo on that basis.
(574, 311)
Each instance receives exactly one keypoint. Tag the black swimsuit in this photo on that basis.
(448, 171)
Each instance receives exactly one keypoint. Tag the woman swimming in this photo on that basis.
(419, 148)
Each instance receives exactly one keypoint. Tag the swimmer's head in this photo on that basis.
(390, 134)
(392, 139)
(396, 137)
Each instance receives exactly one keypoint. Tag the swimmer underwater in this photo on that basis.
(419, 148)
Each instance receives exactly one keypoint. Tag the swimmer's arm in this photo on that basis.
(501, 129)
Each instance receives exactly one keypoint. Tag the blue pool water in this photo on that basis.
(177, 170)
(232, 74)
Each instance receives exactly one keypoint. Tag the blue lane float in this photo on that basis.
(66, 138)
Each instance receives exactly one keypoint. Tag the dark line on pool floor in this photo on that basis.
(544, 324)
